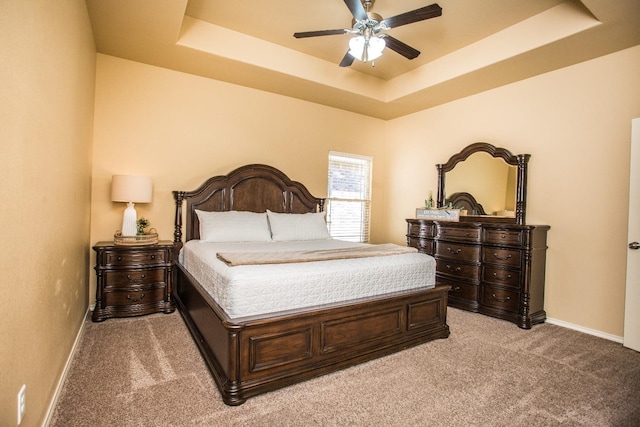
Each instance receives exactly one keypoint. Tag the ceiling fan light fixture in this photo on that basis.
(374, 47)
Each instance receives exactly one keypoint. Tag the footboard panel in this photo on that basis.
(255, 355)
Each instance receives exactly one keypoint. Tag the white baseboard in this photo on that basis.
(578, 328)
(65, 371)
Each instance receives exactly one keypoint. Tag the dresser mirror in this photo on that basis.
(485, 181)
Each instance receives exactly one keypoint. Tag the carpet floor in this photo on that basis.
(147, 371)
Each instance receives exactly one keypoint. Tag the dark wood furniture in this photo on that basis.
(494, 265)
(257, 354)
(519, 160)
(496, 269)
(133, 280)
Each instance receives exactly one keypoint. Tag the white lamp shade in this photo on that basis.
(131, 188)
(374, 49)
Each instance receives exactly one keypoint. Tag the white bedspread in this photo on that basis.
(260, 289)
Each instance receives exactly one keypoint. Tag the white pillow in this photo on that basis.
(309, 226)
(233, 226)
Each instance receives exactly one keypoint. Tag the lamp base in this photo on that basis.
(129, 221)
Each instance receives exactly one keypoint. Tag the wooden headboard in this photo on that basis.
(254, 188)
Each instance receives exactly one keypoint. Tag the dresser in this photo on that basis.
(133, 280)
(493, 268)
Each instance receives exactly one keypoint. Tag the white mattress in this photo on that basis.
(249, 290)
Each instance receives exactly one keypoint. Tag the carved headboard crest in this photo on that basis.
(254, 188)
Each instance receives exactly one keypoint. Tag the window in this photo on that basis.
(349, 196)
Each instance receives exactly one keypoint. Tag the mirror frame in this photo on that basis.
(519, 160)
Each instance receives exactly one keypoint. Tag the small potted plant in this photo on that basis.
(142, 223)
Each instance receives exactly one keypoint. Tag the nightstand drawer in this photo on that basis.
(129, 258)
(128, 297)
(126, 279)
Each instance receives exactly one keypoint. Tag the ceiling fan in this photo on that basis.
(367, 26)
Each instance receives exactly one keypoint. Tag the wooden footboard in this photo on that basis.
(255, 355)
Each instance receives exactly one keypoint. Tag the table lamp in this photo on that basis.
(130, 189)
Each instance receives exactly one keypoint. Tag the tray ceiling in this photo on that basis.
(474, 46)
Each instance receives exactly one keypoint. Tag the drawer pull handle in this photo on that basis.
(457, 288)
(135, 299)
(500, 300)
(500, 258)
(119, 258)
(153, 257)
(449, 267)
(455, 252)
(131, 279)
(496, 276)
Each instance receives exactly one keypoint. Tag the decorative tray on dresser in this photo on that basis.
(494, 264)
(133, 280)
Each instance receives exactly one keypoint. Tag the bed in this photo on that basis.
(253, 352)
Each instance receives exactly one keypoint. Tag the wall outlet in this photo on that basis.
(21, 403)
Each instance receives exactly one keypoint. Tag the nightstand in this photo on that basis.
(133, 280)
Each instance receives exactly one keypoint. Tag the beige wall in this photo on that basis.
(47, 75)
(576, 124)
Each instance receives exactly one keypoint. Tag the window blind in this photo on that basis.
(349, 196)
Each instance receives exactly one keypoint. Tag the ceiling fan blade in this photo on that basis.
(319, 33)
(400, 47)
(347, 60)
(357, 9)
(421, 14)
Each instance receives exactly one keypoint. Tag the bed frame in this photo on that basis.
(257, 354)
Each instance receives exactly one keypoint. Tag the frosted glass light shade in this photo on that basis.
(374, 49)
(130, 189)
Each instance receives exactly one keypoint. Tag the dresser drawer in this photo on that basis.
(128, 297)
(421, 229)
(504, 237)
(503, 299)
(460, 290)
(467, 234)
(452, 268)
(129, 258)
(126, 279)
(499, 256)
(424, 246)
(501, 276)
(457, 252)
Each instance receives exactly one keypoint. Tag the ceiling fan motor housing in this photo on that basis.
(372, 23)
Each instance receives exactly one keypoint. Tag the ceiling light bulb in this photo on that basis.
(374, 49)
